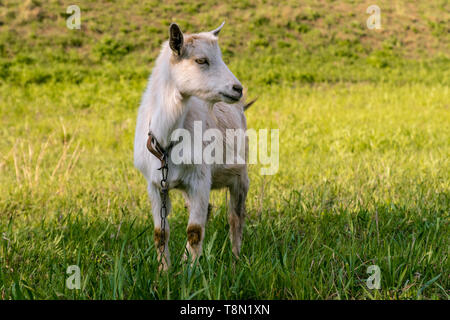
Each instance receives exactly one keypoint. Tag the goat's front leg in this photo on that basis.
(161, 244)
(198, 204)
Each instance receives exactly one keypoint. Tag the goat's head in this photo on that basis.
(198, 69)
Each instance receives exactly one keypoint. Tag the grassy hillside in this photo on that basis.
(364, 148)
(288, 42)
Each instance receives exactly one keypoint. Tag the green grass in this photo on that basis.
(364, 149)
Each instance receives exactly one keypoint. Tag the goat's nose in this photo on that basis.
(237, 88)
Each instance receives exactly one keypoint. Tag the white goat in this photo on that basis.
(190, 82)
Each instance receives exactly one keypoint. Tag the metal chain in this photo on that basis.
(163, 155)
(164, 194)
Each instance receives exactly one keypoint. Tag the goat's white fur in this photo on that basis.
(179, 92)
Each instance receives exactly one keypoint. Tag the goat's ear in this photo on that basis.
(217, 31)
(176, 38)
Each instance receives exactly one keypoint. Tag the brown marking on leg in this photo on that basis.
(161, 248)
(236, 227)
(158, 238)
(194, 233)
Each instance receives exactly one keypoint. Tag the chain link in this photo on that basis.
(163, 212)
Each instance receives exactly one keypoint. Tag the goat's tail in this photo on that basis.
(247, 105)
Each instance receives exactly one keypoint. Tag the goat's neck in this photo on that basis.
(168, 110)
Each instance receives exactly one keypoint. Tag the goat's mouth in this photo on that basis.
(232, 98)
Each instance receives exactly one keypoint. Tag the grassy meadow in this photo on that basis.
(364, 153)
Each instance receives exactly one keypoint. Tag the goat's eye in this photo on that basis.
(202, 61)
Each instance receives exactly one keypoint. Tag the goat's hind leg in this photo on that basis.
(161, 243)
(236, 213)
